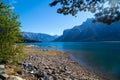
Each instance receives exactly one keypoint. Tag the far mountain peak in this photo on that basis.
(38, 36)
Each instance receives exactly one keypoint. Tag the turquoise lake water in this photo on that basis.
(100, 56)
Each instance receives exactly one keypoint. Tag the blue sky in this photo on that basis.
(37, 16)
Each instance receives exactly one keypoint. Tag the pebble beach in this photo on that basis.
(53, 65)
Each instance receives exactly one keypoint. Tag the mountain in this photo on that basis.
(90, 31)
(38, 36)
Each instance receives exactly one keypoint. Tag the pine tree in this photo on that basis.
(9, 33)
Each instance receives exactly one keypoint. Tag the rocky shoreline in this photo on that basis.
(53, 65)
(47, 65)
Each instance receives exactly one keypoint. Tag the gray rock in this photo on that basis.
(46, 67)
(68, 72)
(2, 68)
(49, 71)
(66, 67)
(19, 72)
(29, 67)
(55, 78)
(39, 74)
(67, 79)
(50, 78)
(60, 77)
(41, 78)
(46, 78)
(2, 77)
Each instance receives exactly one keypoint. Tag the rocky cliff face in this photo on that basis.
(38, 36)
(90, 31)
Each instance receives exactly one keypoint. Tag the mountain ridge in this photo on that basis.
(38, 36)
(89, 31)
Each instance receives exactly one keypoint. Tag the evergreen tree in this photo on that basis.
(9, 33)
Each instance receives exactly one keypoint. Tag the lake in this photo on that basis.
(99, 56)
